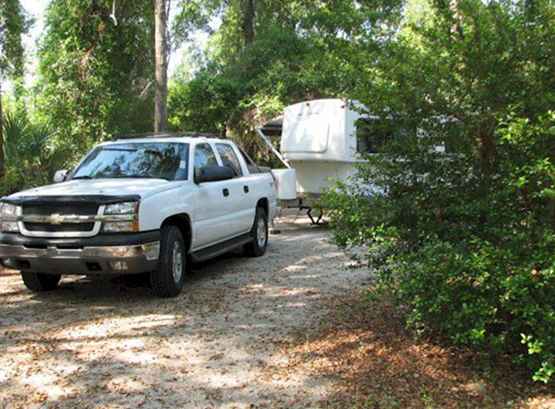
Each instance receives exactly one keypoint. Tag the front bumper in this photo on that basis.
(108, 254)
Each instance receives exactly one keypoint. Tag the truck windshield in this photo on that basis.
(136, 160)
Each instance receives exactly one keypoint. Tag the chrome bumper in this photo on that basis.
(150, 251)
(87, 260)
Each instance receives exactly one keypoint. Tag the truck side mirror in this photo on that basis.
(213, 174)
(60, 176)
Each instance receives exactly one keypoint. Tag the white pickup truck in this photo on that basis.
(132, 206)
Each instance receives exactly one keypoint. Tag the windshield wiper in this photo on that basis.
(87, 177)
(139, 177)
(119, 149)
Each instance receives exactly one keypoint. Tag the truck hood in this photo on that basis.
(105, 187)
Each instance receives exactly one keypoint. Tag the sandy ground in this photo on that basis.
(100, 344)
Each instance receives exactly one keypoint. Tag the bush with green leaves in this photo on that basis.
(470, 256)
(31, 156)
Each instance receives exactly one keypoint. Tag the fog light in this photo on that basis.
(151, 251)
(119, 227)
(123, 251)
(119, 265)
(9, 227)
(9, 262)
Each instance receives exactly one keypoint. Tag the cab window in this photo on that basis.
(204, 156)
(229, 158)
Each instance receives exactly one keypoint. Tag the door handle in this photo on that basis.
(246, 189)
(225, 192)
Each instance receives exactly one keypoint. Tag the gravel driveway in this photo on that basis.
(99, 344)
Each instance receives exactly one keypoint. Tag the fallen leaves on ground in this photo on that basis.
(376, 363)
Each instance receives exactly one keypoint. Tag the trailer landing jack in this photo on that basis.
(314, 221)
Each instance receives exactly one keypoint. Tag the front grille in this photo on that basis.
(53, 228)
(61, 209)
(82, 209)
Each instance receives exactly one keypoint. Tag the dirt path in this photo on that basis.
(101, 344)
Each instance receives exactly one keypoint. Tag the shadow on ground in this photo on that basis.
(111, 343)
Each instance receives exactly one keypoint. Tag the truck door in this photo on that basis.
(213, 220)
(242, 189)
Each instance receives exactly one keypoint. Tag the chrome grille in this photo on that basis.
(65, 227)
(82, 209)
(60, 219)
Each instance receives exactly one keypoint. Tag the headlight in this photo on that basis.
(121, 217)
(8, 218)
(122, 208)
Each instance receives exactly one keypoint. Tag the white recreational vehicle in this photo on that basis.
(319, 143)
(323, 140)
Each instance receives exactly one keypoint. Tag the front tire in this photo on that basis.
(259, 233)
(40, 282)
(168, 280)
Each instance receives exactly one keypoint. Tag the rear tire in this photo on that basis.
(39, 282)
(168, 280)
(259, 233)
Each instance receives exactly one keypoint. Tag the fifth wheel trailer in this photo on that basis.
(319, 143)
(323, 140)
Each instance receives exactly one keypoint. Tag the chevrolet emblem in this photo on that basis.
(56, 219)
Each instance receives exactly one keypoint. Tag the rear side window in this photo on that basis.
(204, 156)
(229, 158)
(247, 158)
(251, 165)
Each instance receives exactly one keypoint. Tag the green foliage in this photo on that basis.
(202, 103)
(236, 97)
(301, 50)
(465, 239)
(31, 158)
(13, 24)
(194, 15)
(95, 76)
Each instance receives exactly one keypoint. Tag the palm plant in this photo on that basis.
(30, 160)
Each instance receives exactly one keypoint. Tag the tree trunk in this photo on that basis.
(249, 15)
(1, 135)
(161, 65)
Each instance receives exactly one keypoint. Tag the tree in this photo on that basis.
(161, 8)
(95, 76)
(248, 16)
(13, 24)
(268, 54)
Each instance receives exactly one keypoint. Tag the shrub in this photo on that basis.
(469, 254)
(31, 158)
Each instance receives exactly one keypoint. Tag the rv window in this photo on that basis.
(454, 131)
(229, 158)
(446, 134)
(370, 136)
